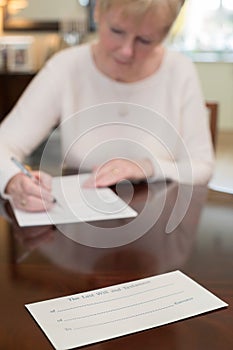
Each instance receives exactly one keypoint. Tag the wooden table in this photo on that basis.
(38, 263)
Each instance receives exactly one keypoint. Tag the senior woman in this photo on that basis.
(126, 64)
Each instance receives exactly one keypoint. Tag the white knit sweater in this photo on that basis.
(164, 117)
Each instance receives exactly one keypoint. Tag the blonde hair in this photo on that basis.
(138, 8)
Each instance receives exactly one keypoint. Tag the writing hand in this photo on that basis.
(117, 170)
(30, 195)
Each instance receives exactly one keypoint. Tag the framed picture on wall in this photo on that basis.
(20, 56)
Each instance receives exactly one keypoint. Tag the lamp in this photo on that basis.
(16, 5)
(2, 3)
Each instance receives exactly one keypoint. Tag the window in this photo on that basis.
(204, 25)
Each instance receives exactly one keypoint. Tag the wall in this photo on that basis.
(50, 10)
(1, 24)
(217, 83)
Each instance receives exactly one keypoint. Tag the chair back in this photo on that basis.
(213, 115)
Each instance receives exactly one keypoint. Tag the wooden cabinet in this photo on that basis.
(12, 86)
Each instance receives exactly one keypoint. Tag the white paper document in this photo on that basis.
(77, 204)
(101, 314)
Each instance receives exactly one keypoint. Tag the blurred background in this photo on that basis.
(31, 31)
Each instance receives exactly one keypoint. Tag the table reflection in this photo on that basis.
(80, 267)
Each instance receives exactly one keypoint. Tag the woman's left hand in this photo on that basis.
(117, 170)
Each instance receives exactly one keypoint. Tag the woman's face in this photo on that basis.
(127, 47)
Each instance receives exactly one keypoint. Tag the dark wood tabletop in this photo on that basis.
(177, 227)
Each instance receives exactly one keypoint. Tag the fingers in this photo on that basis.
(44, 179)
(32, 204)
(104, 176)
(30, 195)
(118, 170)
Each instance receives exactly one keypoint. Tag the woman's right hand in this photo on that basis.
(30, 195)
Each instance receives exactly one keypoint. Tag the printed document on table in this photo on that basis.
(77, 204)
(126, 308)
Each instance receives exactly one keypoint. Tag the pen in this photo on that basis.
(26, 172)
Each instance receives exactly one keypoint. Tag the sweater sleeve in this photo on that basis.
(30, 121)
(193, 158)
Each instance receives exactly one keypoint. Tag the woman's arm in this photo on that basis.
(30, 121)
(192, 158)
